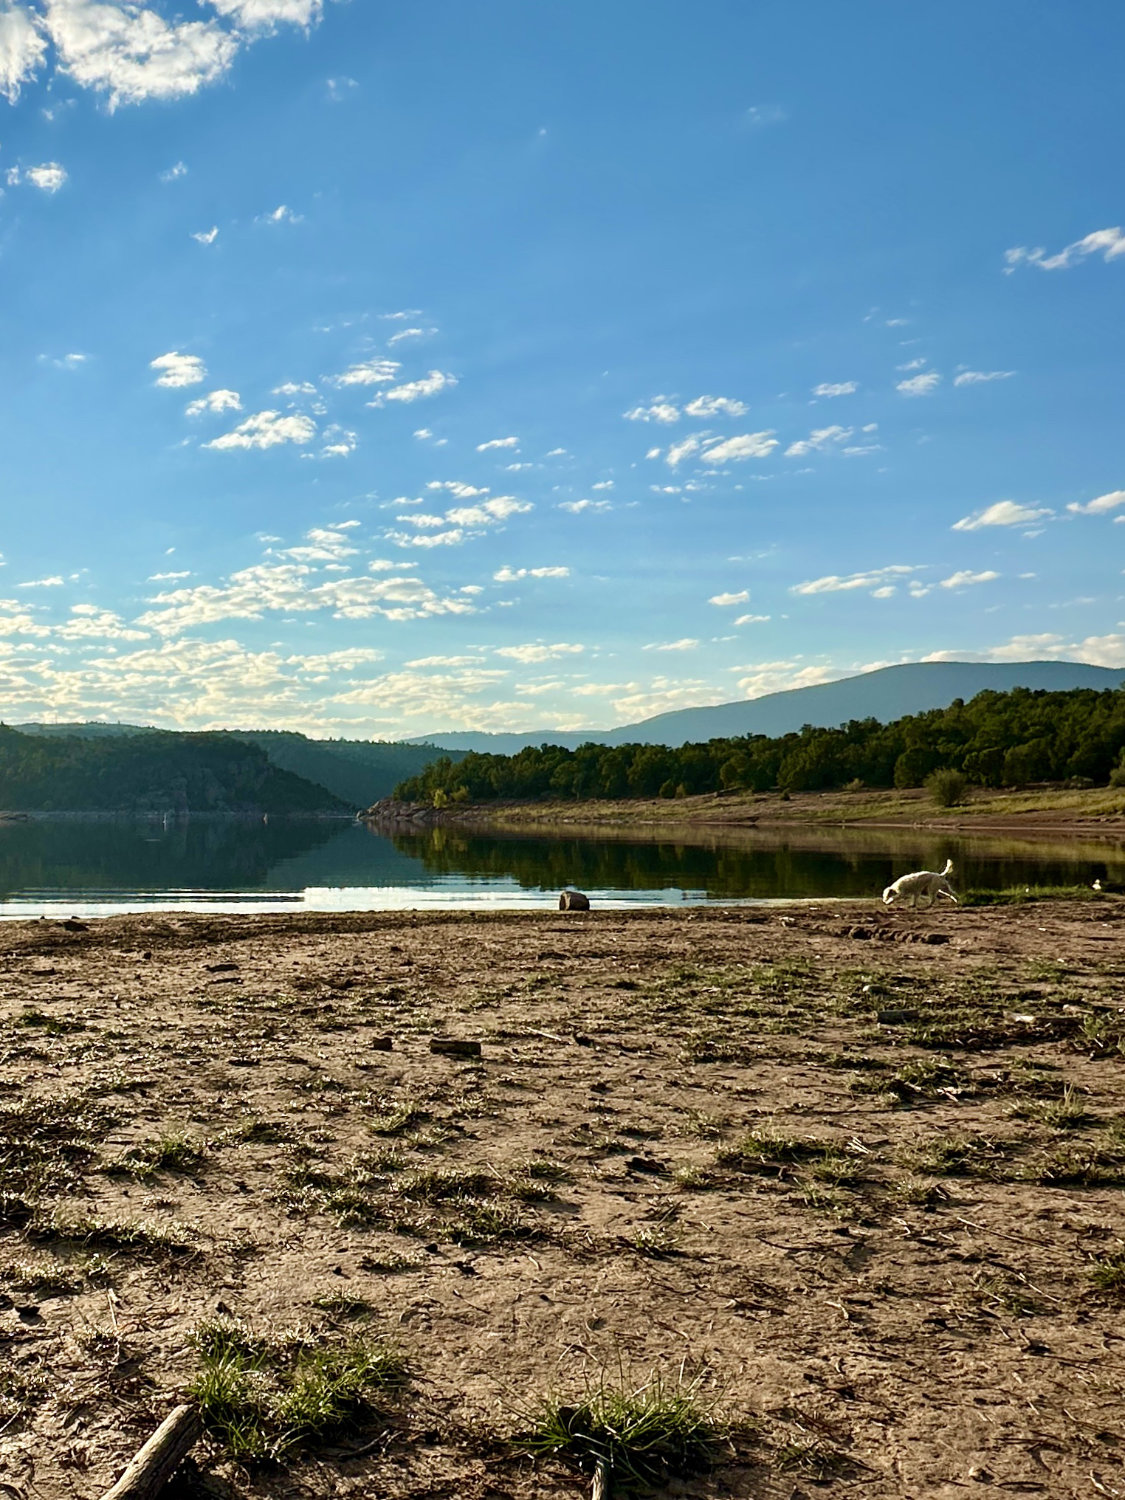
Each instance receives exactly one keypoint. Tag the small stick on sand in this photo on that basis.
(160, 1457)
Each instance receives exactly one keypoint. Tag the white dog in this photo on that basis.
(930, 883)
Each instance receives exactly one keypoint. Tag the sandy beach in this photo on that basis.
(855, 1174)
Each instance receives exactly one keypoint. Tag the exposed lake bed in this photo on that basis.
(857, 1171)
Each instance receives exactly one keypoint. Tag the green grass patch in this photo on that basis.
(641, 1438)
(264, 1398)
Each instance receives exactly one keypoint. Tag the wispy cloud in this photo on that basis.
(920, 385)
(841, 388)
(723, 600)
(48, 178)
(1109, 243)
(22, 50)
(417, 390)
(965, 579)
(578, 507)
(378, 371)
(688, 643)
(282, 214)
(1100, 506)
(738, 449)
(980, 377)
(513, 575)
(508, 442)
(537, 652)
(1003, 513)
(206, 236)
(875, 578)
(173, 173)
(818, 440)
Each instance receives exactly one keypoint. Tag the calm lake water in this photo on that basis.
(102, 867)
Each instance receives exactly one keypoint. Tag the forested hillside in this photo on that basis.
(149, 772)
(357, 771)
(997, 739)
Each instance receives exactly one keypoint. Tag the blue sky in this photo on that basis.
(373, 370)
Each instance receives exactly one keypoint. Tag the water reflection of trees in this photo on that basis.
(763, 871)
(139, 855)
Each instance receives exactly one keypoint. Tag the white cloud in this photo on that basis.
(724, 599)
(168, 577)
(920, 385)
(293, 588)
(819, 439)
(206, 236)
(266, 429)
(178, 369)
(376, 371)
(22, 49)
(661, 410)
(321, 544)
(54, 582)
(536, 653)
(259, 15)
(679, 451)
(214, 401)
(508, 442)
(1109, 242)
(912, 364)
(1096, 650)
(174, 172)
(87, 621)
(603, 484)
(48, 178)
(282, 214)
(446, 661)
(66, 361)
(417, 390)
(1003, 513)
(965, 578)
(688, 643)
(295, 388)
(736, 449)
(835, 584)
(576, 507)
(980, 377)
(780, 676)
(1101, 505)
(841, 388)
(457, 487)
(338, 442)
(410, 333)
(513, 575)
(132, 54)
(715, 406)
(751, 620)
(488, 511)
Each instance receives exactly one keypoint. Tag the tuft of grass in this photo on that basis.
(170, 1153)
(766, 1151)
(113, 1234)
(654, 1240)
(640, 1438)
(396, 1116)
(21, 1391)
(920, 1192)
(53, 1278)
(813, 1457)
(1108, 1275)
(1067, 1112)
(1081, 1164)
(960, 1156)
(1001, 1292)
(45, 1143)
(263, 1398)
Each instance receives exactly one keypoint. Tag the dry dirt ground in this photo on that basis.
(863, 1187)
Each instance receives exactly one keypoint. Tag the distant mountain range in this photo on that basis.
(886, 695)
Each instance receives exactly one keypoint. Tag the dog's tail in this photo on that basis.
(948, 871)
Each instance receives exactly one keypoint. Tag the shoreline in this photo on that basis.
(793, 1154)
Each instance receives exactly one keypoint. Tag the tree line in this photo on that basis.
(996, 739)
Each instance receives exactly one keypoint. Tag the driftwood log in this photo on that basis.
(574, 901)
(160, 1457)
